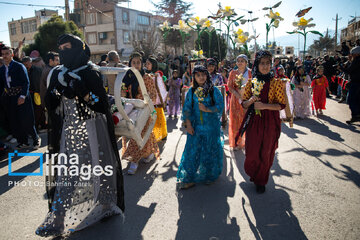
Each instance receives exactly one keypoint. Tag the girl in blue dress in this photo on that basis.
(202, 159)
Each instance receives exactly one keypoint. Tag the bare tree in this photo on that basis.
(146, 39)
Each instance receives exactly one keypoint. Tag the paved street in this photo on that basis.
(313, 192)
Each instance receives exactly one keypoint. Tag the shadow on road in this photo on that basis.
(339, 124)
(319, 128)
(204, 210)
(136, 216)
(5, 180)
(272, 210)
(350, 175)
(291, 132)
(171, 124)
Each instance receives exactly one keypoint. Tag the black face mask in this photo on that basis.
(73, 58)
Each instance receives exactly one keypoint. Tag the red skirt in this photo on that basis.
(262, 135)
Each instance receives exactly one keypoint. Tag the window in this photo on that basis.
(12, 29)
(33, 25)
(126, 37)
(25, 27)
(143, 20)
(90, 18)
(125, 17)
(91, 38)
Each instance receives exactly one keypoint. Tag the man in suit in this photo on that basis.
(34, 74)
(14, 89)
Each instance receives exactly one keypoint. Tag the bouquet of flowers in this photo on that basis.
(256, 90)
(200, 94)
(238, 80)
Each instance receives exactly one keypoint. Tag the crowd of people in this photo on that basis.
(75, 103)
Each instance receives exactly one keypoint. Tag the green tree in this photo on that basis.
(48, 33)
(173, 10)
(213, 45)
(323, 43)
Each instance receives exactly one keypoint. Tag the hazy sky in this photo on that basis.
(323, 11)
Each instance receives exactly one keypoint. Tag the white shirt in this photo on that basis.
(8, 78)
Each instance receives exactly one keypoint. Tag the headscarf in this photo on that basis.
(154, 65)
(208, 85)
(297, 75)
(212, 61)
(246, 72)
(76, 56)
(243, 56)
(259, 55)
(130, 78)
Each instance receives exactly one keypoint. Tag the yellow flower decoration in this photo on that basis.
(164, 26)
(197, 54)
(197, 21)
(227, 11)
(208, 25)
(276, 23)
(182, 26)
(303, 23)
(275, 16)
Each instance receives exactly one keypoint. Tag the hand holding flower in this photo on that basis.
(203, 108)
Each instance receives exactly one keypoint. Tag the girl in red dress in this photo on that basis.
(262, 121)
(319, 85)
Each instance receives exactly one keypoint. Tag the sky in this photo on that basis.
(323, 12)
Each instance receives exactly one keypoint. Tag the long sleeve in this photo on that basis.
(247, 92)
(22, 78)
(219, 102)
(280, 93)
(231, 83)
(187, 109)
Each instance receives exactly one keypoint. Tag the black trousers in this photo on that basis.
(21, 118)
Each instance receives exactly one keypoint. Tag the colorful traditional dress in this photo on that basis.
(302, 97)
(319, 85)
(160, 128)
(217, 79)
(202, 159)
(174, 96)
(131, 151)
(263, 132)
(236, 112)
(84, 129)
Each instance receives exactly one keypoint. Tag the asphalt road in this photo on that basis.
(313, 192)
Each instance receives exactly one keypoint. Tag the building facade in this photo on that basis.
(352, 31)
(107, 26)
(26, 28)
(131, 27)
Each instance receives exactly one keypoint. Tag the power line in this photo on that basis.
(31, 5)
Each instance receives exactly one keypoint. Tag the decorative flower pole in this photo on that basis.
(197, 24)
(184, 31)
(241, 38)
(301, 26)
(208, 28)
(274, 22)
(165, 29)
(228, 15)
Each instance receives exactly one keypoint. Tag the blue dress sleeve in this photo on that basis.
(219, 102)
(187, 109)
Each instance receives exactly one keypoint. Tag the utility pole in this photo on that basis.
(336, 30)
(67, 10)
